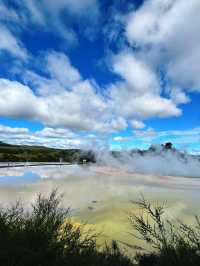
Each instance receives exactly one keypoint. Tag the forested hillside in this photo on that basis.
(25, 153)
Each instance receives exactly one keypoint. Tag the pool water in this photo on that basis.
(101, 196)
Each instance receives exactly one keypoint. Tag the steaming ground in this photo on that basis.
(158, 161)
(102, 194)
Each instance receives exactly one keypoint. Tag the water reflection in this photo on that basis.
(82, 185)
(101, 195)
(28, 177)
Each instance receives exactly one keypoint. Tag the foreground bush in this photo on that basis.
(46, 236)
(174, 244)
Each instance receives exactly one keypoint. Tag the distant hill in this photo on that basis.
(4, 144)
(26, 153)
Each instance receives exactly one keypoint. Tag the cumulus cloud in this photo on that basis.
(121, 139)
(138, 94)
(52, 137)
(60, 138)
(63, 99)
(17, 100)
(178, 96)
(60, 68)
(13, 130)
(55, 133)
(136, 124)
(170, 30)
(65, 138)
(137, 75)
(118, 124)
(77, 109)
(150, 132)
(143, 106)
(159, 38)
(13, 134)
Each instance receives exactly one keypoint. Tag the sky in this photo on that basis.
(114, 74)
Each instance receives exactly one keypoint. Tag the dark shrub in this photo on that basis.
(45, 236)
(175, 244)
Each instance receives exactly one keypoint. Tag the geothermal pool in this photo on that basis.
(101, 195)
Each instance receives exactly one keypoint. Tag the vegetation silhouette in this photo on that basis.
(175, 244)
(46, 236)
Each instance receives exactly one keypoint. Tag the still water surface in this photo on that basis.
(101, 195)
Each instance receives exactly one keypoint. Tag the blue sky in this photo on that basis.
(96, 73)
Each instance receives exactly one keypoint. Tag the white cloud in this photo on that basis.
(131, 106)
(178, 96)
(137, 75)
(17, 135)
(50, 137)
(55, 133)
(155, 106)
(138, 95)
(136, 124)
(143, 25)
(121, 139)
(9, 43)
(13, 130)
(168, 31)
(10, 134)
(64, 138)
(66, 100)
(18, 101)
(60, 68)
(143, 139)
(150, 132)
(118, 124)
(184, 139)
(79, 108)
(111, 125)
(164, 36)
(43, 86)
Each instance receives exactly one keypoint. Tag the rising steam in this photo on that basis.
(158, 160)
